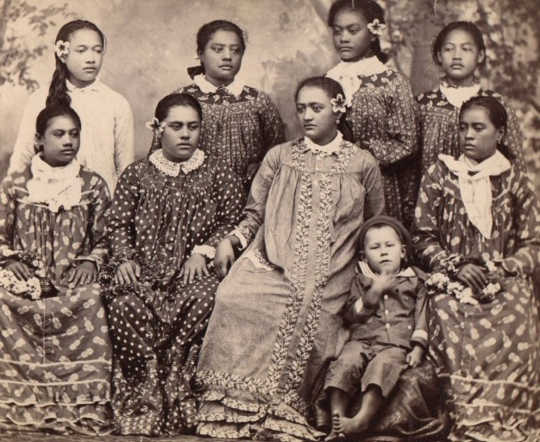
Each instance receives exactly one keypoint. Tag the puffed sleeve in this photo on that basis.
(420, 333)
(426, 236)
(230, 196)
(273, 131)
(399, 140)
(7, 219)
(97, 221)
(124, 150)
(513, 138)
(526, 242)
(121, 214)
(253, 215)
(372, 182)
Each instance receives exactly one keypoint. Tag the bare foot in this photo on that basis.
(335, 435)
(348, 426)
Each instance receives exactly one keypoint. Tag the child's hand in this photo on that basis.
(384, 282)
(415, 356)
(358, 306)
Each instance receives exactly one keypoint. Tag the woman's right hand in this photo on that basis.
(225, 257)
(127, 273)
(474, 276)
(19, 269)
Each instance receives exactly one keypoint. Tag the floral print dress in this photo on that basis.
(55, 353)
(162, 212)
(486, 352)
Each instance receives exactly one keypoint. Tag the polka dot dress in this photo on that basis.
(157, 325)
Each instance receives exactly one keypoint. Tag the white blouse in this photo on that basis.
(106, 133)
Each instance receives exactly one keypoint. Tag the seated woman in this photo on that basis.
(168, 213)
(55, 354)
(477, 228)
(276, 325)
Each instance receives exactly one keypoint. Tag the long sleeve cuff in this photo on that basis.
(420, 337)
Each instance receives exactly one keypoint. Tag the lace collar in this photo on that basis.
(235, 88)
(96, 86)
(457, 95)
(55, 186)
(333, 147)
(172, 168)
(347, 74)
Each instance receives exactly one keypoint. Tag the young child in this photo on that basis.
(240, 123)
(380, 101)
(107, 139)
(460, 52)
(386, 313)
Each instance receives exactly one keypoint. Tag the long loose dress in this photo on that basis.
(240, 124)
(487, 353)
(438, 122)
(55, 353)
(161, 213)
(276, 322)
(382, 116)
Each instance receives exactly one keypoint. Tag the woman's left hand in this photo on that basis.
(84, 273)
(194, 268)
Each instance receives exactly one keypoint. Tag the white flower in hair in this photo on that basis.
(61, 48)
(156, 126)
(338, 104)
(376, 27)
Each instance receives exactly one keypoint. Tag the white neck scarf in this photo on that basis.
(235, 88)
(459, 95)
(346, 74)
(55, 186)
(328, 149)
(173, 168)
(475, 186)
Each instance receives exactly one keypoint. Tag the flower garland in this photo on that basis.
(33, 287)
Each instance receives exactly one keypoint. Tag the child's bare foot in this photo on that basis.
(335, 435)
(348, 426)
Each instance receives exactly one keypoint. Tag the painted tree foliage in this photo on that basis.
(22, 24)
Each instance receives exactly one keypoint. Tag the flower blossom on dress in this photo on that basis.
(338, 104)
(156, 126)
(376, 27)
(61, 48)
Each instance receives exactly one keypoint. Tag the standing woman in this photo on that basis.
(107, 139)
(168, 213)
(478, 231)
(55, 353)
(240, 123)
(459, 51)
(276, 323)
(380, 103)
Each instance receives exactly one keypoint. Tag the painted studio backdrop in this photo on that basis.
(151, 43)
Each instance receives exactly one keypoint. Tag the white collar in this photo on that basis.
(235, 88)
(459, 95)
(347, 74)
(96, 86)
(327, 149)
(366, 271)
(172, 168)
(55, 186)
(475, 186)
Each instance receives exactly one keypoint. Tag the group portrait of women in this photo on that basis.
(368, 280)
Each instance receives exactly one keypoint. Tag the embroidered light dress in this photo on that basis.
(487, 354)
(382, 116)
(438, 122)
(240, 124)
(106, 136)
(276, 321)
(55, 353)
(161, 213)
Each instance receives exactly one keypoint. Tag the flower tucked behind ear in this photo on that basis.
(155, 126)
(338, 104)
(376, 27)
(61, 48)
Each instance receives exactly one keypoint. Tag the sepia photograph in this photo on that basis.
(273, 220)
